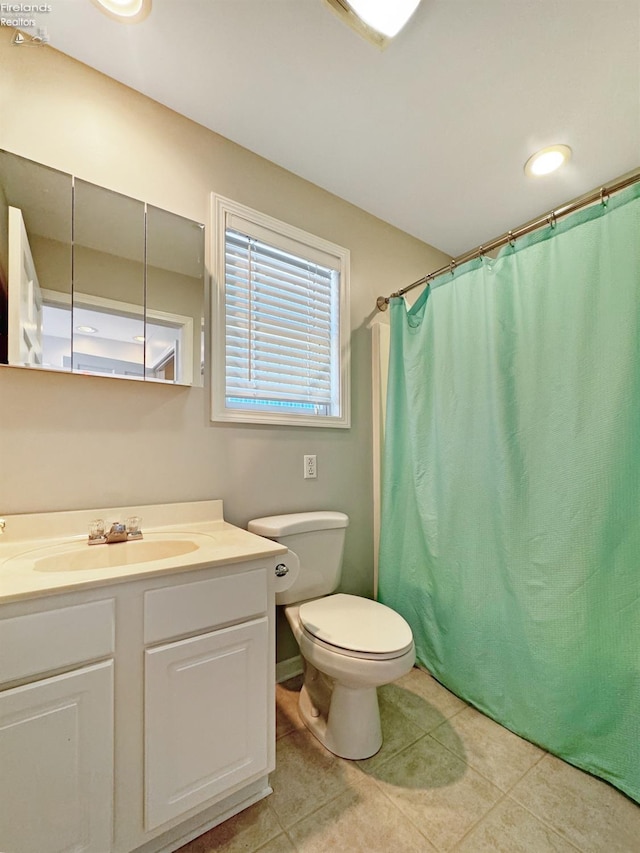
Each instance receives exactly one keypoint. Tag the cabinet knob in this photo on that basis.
(281, 570)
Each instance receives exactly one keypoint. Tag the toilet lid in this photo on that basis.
(356, 624)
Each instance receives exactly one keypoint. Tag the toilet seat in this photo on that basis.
(355, 627)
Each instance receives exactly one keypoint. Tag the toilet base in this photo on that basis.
(339, 700)
(350, 726)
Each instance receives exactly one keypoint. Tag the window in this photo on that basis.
(281, 327)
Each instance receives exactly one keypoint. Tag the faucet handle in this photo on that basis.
(132, 525)
(96, 531)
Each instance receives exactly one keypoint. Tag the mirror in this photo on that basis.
(108, 282)
(36, 211)
(92, 281)
(174, 332)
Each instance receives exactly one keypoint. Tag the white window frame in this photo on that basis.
(223, 212)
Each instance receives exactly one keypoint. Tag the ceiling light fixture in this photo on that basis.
(376, 20)
(125, 11)
(547, 160)
(86, 330)
(139, 339)
(384, 17)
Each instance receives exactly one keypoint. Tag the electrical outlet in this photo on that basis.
(310, 469)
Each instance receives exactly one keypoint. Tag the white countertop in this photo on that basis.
(29, 541)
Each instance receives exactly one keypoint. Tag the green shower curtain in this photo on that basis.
(511, 485)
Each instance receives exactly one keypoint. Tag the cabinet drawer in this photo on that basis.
(54, 639)
(186, 609)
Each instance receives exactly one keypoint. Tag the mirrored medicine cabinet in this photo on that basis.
(92, 281)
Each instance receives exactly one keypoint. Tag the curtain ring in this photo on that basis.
(604, 197)
(452, 267)
(512, 242)
(481, 252)
(551, 219)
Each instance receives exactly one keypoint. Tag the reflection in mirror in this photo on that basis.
(96, 282)
(108, 282)
(35, 264)
(174, 338)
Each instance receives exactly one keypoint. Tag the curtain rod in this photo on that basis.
(602, 194)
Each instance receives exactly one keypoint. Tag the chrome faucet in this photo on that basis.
(118, 532)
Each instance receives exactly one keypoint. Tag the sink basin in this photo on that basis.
(112, 556)
(79, 556)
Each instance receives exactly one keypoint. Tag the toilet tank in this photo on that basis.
(317, 538)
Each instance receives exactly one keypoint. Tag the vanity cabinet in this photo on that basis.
(136, 715)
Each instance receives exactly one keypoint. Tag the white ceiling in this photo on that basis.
(430, 134)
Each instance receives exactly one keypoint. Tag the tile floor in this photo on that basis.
(447, 778)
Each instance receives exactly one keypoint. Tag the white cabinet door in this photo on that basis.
(25, 296)
(56, 763)
(206, 718)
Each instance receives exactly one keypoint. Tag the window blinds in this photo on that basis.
(281, 328)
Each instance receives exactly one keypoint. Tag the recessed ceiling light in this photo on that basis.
(384, 17)
(376, 20)
(125, 11)
(547, 160)
(139, 339)
(86, 330)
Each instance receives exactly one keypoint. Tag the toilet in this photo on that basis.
(350, 645)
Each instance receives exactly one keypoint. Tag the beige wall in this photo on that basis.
(76, 441)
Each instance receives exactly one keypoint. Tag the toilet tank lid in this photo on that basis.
(274, 526)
